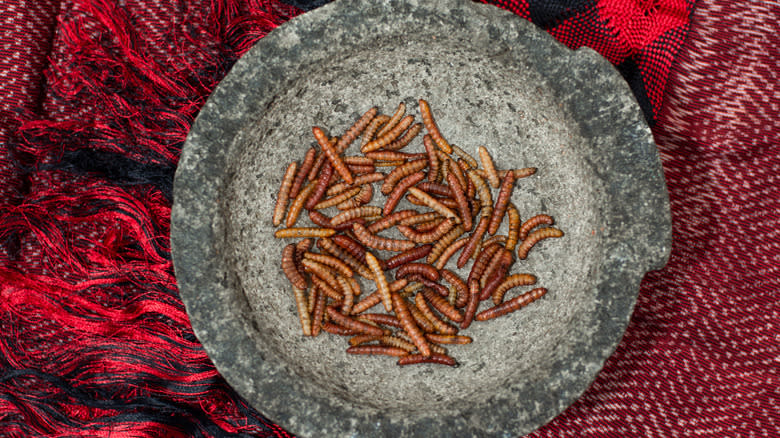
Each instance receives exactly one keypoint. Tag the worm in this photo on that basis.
(496, 277)
(390, 220)
(303, 171)
(382, 318)
(455, 169)
(444, 242)
(439, 325)
(368, 178)
(289, 269)
(504, 193)
(354, 131)
(422, 269)
(474, 240)
(332, 155)
(425, 324)
(480, 264)
(323, 271)
(394, 163)
(372, 127)
(437, 358)
(448, 339)
(449, 252)
(297, 204)
(362, 339)
(361, 170)
(355, 249)
(337, 199)
(362, 211)
(398, 191)
(436, 286)
(303, 312)
(304, 232)
(330, 261)
(470, 188)
(519, 173)
(509, 282)
(378, 242)
(435, 189)
(433, 129)
(493, 264)
(532, 223)
(419, 218)
(433, 160)
(392, 134)
(402, 171)
(465, 156)
(377, 350)
(312, 298)
(458, 284)
(320, 187)
(498, 238)
(325, 222)
(375, 297)
(472, 305)
(462, 202)
(349, 295)
(427, 237)
(336, 329)
(483, 191)
(534, 238)
(511, 305)
(357, 160)
(405, 139)
(326, 288)
(353, 324)
(284, 193)
(446, 202)
(410, 288)
(441, 304)
(363, 197)
(433, 204)
(328, 246)
(429, 226)
(488, 166)
(407, 256)
(411, 328)
(513, 235)
(318, 313)
(394, 119)
(380, 280)
(394, 341)
(394, 156)
(319, 161)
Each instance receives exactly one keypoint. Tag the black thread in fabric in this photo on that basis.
(631, 73)
(549, 13)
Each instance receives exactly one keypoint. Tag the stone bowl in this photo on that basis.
(492, 79)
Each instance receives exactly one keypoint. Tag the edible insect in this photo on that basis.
(433, 129)
(284, 193)
(509, 306)
(534, 238)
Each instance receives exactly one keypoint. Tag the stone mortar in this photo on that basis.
(492, 79)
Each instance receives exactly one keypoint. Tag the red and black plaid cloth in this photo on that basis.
(97, 96)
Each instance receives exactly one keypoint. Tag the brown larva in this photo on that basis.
(436, 189)
(462, 296)
(433, 160)
(394, 163)
(373, 126)
(357, 160)
(449, 252)
(462, 202)
(321, 186)
(388, 137)
(353, 324)
(297, 204)
(402, 171)
(513, 219)
(361, 170)
(366, 211)
(390, 220)
(326, 289)
(337, 199)
(444, 242)
(284, 194)
(393, 156)
(362, 339)
(330, 261)
(393, 341)
(363, 197)
(433, 204)
(474, 240)
(433, 129)
(375, 297)
(303, 313)
(407, 256)
(423, 269)
(319, 161)
(429, 236)
(483, 191)
(328, 246)
(324, 221)
(380, 280)
(472, 305)
(532, 223)
(420, 319)
(448, 339)
(430, 284)
(509, 282)
(404, 140)
(439, 325)
(446, 202)
(511, 305)
(303, 172)
(368, 178)
(354, 131)
(394, 119)
(534, 238)
(493, 264)
(398, 191)
(332, 155)
(378, 242)
(304, 232)
(437, 358)
(471, 190)
(318, 313)
(403, 313)
(377, 350)
(504, 193)
(488, 166)
(480, 264)
(465, 156)
(418, 218)
(441, 304)
(496, 277)
(498, 238)
(430, 225)
(336, 329)
(519, 173)
(354, 248)
(289, 268)
(381, 318)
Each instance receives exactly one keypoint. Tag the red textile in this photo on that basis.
(95, 102)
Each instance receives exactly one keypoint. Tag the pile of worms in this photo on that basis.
(425, 304)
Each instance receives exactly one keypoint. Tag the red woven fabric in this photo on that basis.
(96, 100)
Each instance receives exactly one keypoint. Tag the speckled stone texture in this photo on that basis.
(492, 79)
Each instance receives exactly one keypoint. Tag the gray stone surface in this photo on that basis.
(492, 79)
